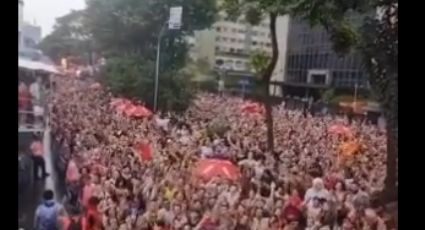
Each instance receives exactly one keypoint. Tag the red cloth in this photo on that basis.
(93, 213)
(145, 151)
(24, 97)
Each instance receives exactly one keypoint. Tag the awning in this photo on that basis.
(36, 66)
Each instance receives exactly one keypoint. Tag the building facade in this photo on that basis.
(20, 21)
(31, 35)
(311, 60)
(232, 43)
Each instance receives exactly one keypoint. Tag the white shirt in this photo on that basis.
(206, 151)
(312, 193)
(35, 90)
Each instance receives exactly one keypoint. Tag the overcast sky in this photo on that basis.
(45, 12)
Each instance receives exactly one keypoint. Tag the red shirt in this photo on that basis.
(292, 213)
(37, 148)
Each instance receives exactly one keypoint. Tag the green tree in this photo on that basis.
(129, 29)
(255, 11)
(131, 76)
(377, 40)
(328, 95)
(129, 26)
(69, 38)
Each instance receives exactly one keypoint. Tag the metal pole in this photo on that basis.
(155, 98)
(355, 96)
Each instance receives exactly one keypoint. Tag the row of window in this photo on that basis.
(241, 41)
(241, 31)
(322, 61)
(229, 50)
(339, 78)
(234, 64)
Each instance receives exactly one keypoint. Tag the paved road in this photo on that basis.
(31, 195)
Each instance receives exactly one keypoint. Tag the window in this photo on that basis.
(234, 30)
(239, 50)
(224, 29)
(255, 33)
(241, 31)
(217, 38)
(318, 79)
(224, 39)
(232, 50)
(232, 40)
(217, 48)
(254, 43)
(240, 40)
(218, 29)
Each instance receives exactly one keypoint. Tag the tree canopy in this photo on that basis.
(69, 37)
(126, 32)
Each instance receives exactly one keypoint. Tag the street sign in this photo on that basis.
(175, 21)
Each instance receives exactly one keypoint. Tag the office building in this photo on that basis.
(20, 21)
(232, 43)
(31, 35)
(311, 61)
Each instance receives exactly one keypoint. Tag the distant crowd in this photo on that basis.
(305, 183)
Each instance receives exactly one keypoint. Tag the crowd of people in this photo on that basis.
(304, 183)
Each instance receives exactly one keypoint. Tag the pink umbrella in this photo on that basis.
(116, 101)
(137, 111)
(95, 86)
(339, 129)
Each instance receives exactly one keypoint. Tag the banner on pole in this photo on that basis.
(175, 21)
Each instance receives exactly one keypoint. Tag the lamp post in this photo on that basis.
(174, 23)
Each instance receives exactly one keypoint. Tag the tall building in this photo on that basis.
(31, 35)
(20, 21)
(232, 44)
(311, 62)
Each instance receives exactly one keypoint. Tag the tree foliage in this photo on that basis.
(131, 76)
(258, 62)
(133, 26)
(69, 37)
(127, 32)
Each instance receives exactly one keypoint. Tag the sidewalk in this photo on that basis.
(32, 196)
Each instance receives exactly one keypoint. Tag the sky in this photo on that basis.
(45, 12)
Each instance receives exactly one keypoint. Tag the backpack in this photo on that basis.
(75, 224)
(48, 217)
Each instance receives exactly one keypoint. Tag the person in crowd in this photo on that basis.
(36, 89)
(299, 185)
(48, 213)
(37, 150)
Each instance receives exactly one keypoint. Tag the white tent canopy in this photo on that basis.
(36, 66)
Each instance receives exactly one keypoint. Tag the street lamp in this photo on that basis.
(174, 23)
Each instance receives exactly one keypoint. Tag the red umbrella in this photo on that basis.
(252, 108)
(210, 168)
(115, 102)
(124, 106)
(339, 129)
(139, 111)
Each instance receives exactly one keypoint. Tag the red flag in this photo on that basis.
(145, 151)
